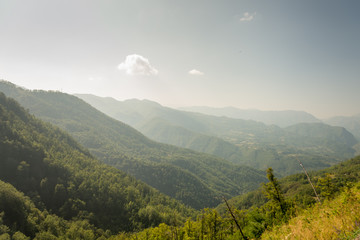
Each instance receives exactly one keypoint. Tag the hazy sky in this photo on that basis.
(268, 55)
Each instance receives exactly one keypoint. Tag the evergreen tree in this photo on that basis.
(273, 191)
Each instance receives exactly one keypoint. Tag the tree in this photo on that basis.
(273, 191)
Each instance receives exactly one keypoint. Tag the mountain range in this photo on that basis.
(283, 119)
(196, 179)
(280, 118)
(80, 174)
(245, 142)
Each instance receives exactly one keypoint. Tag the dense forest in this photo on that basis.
(194, 178)
(63, 182)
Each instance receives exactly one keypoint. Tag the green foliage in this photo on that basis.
(280, 210)
(326, 186)
(21, 220)
(209, 225)
(297, 188)
(62, 177)
(273, 191)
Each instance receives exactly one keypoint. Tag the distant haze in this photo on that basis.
(280, 118)
(266, 55)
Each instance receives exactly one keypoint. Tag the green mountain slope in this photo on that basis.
(20, 219)
(62, 177)
(240, 141)
(194, 178)
(163, 131)
(335, 218)
(334, 141)
(275, 215)
(297, 187)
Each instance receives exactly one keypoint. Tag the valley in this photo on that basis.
(78, 168)
(245, 142)
(179, 120)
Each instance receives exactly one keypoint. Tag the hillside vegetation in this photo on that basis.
(297, 187)
(61, 177)
(240, 141)
(335, 219)
(285, 213)
(20, 219)
(196, 179)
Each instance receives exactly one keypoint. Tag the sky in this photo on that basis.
(267, 55)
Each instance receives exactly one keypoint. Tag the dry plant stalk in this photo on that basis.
(236, 222)
(308, 177)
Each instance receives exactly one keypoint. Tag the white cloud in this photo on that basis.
(247, 17)
(137, 65)
(196, 72)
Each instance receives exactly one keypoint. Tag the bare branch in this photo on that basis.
(233, 216)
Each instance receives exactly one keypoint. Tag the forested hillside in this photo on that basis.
(194, 178)
(280, 209)
(240, 141)
(20, 219)
(61, 176)
(297, 187)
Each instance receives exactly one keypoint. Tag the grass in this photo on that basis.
(335, 219)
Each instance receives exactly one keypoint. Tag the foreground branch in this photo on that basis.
(308, 177)
(233, 216)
